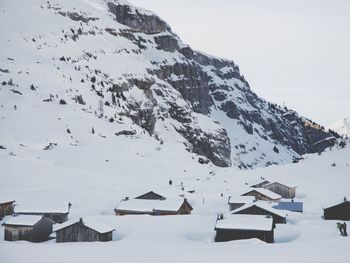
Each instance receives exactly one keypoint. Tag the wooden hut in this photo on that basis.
(234, 227)
(58, 215)
(83, 231)
(281, 189)
(6, 208)
(339, 211)
(263, 194)
(172, 206)
(27, 227)
(237, 202)
(262, 208)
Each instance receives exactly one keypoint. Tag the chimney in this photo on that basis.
(170, 182)
(81, 220)
(345, 199)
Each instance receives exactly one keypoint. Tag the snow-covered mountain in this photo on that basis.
(71, 70)
(342, 126)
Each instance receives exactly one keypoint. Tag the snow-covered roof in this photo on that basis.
(41, 209)
(23, 220)
(5, 201)
(172, 205)
(149, 206)
(92, 223)
(263, 205)
(257, 181)
(265, 192)
(245, 222)
(139, 205)
(241, 199)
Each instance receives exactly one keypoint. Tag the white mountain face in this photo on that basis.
(100, 100)
(342, 126)
(71, 71)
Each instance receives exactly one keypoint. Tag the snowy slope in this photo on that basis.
(70, 67)
(342, 126)
(95, 187)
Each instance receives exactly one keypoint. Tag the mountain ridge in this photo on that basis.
(133, 69)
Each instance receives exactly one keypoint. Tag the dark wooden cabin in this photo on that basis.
(151, 196)
(263, 194)
(260, 208)
(56, 215)
(83, 231)
(281, 189)
(6, 208)
(340, 211)
(26, 227)
(235, 227)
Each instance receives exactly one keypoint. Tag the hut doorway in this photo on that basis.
(14, 234)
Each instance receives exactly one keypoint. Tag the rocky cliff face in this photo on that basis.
(130, 60)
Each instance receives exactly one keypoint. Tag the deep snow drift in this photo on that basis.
(93, 155)
(95, 187)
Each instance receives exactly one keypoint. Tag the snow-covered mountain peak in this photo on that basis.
(111, 66)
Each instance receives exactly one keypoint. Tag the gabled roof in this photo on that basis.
(290, 206)
(62, 209)
(170, 205)
(23, 220)
(6, 201)
(265, 192)
(340, 202)
(139, 205)
(241, 199)
(92, 223)
(245, 222)
(263, 205)
(154, 194)
(150, 206)
(256, 182)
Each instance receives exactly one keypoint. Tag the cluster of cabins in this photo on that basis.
(253, 214)
(257, 211)
(37, 225)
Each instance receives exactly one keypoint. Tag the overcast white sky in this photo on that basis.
(295, 52)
